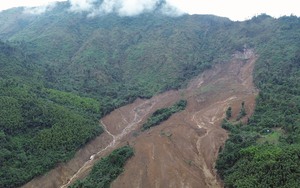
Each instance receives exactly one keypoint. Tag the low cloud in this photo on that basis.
(171, 10)
(135, 7)
(40, 9)
(123, 7)
(82, 5)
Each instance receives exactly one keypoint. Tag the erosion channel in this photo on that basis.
(180, 152)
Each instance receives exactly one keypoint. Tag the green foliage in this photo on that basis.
(272, 137)
(106, 170)
(266, 166)
(38, 131)
(74, 101)
(269, 159)
(163, 114)
(239, 138)
(228, 112)
(11, 116)
(242, 112)
(117, 59)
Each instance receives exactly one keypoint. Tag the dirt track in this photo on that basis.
(180, 152)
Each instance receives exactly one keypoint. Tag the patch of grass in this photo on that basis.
(167, 134)
(271, 138)
(189, 162)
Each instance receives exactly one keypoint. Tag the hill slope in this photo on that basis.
(117, 58)
(266, 152)
(39, 127)
(67, 70)
(185, 146)
(60, 71)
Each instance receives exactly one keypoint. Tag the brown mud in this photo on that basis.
(180, 152)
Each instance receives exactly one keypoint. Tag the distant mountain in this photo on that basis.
(107, 61)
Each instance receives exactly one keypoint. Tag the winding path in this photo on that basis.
(92, 157)
(139, 113)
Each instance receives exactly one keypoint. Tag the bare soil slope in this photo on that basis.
(181, 152)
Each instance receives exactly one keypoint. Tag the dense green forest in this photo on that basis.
(106, 170)
(265, 152)
(39, 127)
(37, 132)
(163, 114)
(61, 71)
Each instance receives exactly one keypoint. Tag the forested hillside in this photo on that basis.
(265, 152)
(39, 126)
(61, 71)
(117, 59)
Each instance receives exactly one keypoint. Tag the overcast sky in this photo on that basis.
(233, 9)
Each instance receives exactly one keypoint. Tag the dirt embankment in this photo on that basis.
(181, 152)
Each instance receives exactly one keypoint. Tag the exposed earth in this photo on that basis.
(180, 152)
